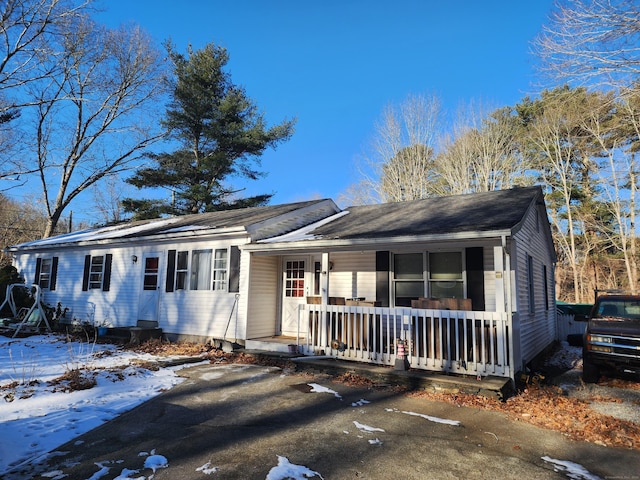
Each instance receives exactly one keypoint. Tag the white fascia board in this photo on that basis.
(336, 244)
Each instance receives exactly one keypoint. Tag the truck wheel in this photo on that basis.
(590, 372)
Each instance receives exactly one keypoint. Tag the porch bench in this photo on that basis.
(143, 331)
(442, 303)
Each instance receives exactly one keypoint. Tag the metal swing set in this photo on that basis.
(25, 319)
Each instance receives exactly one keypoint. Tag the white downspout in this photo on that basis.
(514, 333)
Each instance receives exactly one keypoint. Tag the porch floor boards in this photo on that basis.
(490, 386)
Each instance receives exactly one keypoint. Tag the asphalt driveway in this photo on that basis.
(240, 421)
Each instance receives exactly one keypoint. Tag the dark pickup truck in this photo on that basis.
(612, 337)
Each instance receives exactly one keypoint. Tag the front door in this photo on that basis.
(295, 288)
(148, 306)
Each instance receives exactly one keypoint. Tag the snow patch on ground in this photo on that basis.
(573, 470)
(316, 388)
(366, 428)
(38, 413)
(289, 471)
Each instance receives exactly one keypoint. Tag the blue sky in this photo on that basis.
(335, 65)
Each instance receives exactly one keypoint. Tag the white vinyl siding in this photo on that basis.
(536, 323)
(489, 280)
(353, 275)
(263, 307)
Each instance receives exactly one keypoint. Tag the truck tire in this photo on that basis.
(590, 372)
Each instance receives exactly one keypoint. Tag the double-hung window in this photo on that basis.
(182, 270)
(97, 272)
(220, 269)
(408, 278)
(46, 272)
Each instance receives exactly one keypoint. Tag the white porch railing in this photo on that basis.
(452, 341)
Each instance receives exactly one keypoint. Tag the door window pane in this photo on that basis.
(294, 279)
(151, 273)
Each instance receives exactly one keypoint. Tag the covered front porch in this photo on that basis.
(366, 306)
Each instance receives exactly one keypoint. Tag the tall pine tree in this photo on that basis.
(221, 134)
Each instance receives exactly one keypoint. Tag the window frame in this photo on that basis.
(181, 275)
(46, 265)
(102, 278)
(201, 269)
(397, 280)
(220, 275)
(46, 273)
(96, 272)
(531, 284)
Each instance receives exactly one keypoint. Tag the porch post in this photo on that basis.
(324, 278)
(502, 276)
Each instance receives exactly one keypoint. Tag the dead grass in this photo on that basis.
(75, 379)
(162, 348)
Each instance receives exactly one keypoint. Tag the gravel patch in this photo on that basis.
(621, 403)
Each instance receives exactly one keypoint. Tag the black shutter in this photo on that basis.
(382, 278)
(106, 279)
(171, 271)
(36, 280)
(234, 270)
(85, 275)
(54, 273)
(475, 277)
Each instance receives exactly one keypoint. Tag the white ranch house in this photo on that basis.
(465, 283)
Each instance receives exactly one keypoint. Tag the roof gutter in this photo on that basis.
(345, 244)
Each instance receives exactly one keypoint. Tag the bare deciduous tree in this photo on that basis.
(565, 157)
(483, 154)
(108, 197)
(591, 42)
(19, 222)
(94, 112)
(400, 162)
(27, 31)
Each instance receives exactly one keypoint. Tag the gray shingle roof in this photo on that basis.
(262, 221)
(478, 212)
